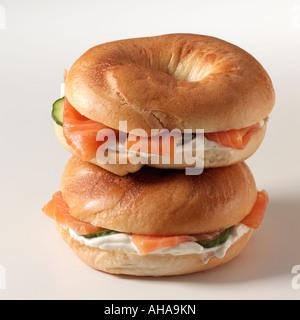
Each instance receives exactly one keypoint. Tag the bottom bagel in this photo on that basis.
(156, 222)
(155, 265)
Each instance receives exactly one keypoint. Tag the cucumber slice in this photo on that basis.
(99, 234)
(58, 111)
(215, 242)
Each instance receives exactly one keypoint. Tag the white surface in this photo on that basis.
(40, 40)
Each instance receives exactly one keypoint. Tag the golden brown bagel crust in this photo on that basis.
(159, 202)
(171, 81)
(128, 263)
(213, 158)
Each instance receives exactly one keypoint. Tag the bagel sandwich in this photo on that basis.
(183, 82)
(156, 222)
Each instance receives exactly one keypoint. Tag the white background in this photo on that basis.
(41, 39)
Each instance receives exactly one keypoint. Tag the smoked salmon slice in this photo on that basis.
(147, 244)
(58, 210)
(81, 132)
(235, 139)
(254, 219)
(163, 144)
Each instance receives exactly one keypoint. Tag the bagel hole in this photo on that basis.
(192, 75)
(193, 69)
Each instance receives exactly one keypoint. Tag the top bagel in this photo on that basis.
(183, 81)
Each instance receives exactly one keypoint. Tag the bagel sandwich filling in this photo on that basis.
(211, 244)
(84, 136)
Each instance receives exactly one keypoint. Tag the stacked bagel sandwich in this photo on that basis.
(126, 204)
